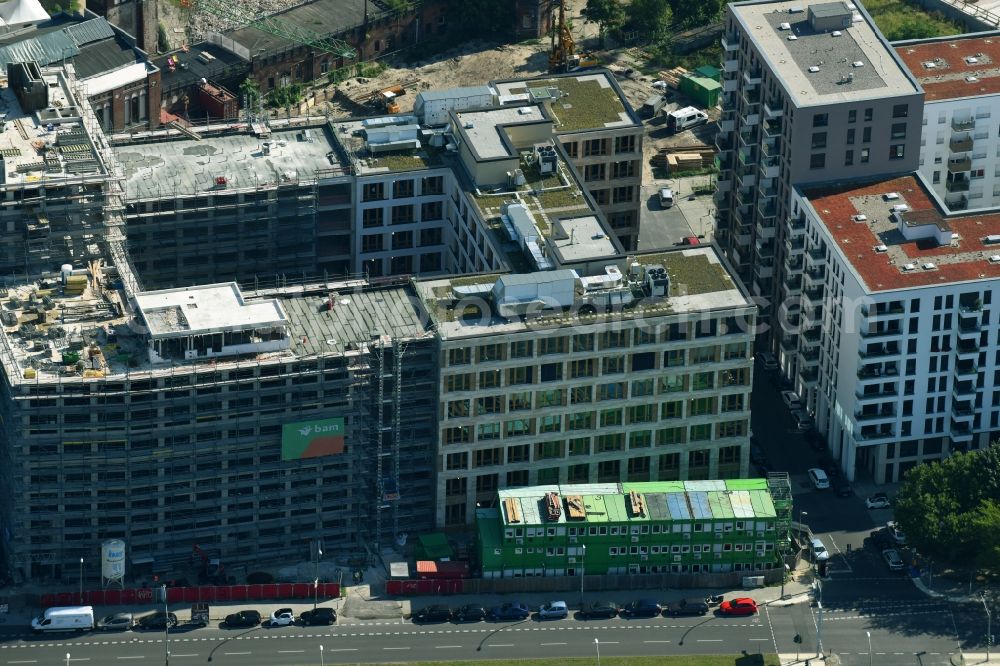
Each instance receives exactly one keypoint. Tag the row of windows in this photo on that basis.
(588, 342)
(677, 527)
(403, 188)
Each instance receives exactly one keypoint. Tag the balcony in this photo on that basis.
(770, 167)
(960, 202)
(762, 272)
(875, 392)
(793, 287)
(961, 410)
(969, 330)
(882, 331)
(747, 178)
(794, 246)
(752, 77)
(964, 389)
(772, 109)
(789, 342)
(744, 196)
(960, 144)
(747, 157)
(875, 414)
(747, 137)
(810, 357)
(764, 231)
(877, 371)
(812, 297)
(880, 351)
(963, 125)
(731, 65)
(960, 164)
(751, 119)
(724, 163)
(872, 434)
(957, 185)
(768, 211)
(767, 192)
(723, 186)
(967, 350)
(797, 227)
(726, 126)
(967, 369)
(771, 147)
(816, 257)
(960, 432)
(752, 97)
(730, 85)
(765, 248)
(730, 43)
(813, 277)
(810, 338)
(724, 140)
(809, 377)
(882, 311)
(772, 128)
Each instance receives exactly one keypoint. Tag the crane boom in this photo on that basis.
(237, 14)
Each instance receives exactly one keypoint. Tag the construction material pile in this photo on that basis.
(672, 77)
(684, 158)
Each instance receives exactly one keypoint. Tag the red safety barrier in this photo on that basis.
(186, 595)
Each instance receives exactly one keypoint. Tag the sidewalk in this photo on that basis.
(358, 604)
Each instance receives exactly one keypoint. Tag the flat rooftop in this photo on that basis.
(658, 501)
(210, 308)
(581, 238)
(901, 264)
(698, 282)
(46, 346)
(955, 67)
(588, 100)
(31, 152)
(484, 128)
(187, 167)
(350, 134)
(880, 74)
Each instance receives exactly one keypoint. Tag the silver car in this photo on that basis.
(554, 610)
(116, 622)
(893, 560)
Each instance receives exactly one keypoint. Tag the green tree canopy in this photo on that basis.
(607, 14)
(950, 509)
(689, 14)
(649, 17)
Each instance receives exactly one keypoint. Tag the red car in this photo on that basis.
(741, 606)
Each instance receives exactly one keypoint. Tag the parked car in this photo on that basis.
(791, 400)
(893, 560)
(243, 618)
(469, 613)
(321, 615)
(768, 360)
(803, 420)
(842, 487)
(116, 622)
(513, 610)
(819, 551)
(666, 197)
(282, 617)
(689, 606)
(878, 501)
(158, 620)
(882, 540)
(435, 613)
(815, 440)
(740, 606)
(897, 534)
(553, 610)
(642, 608)
(599, 609)
(819, 478)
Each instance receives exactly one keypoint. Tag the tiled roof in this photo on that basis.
(941, 66)
(966, 258)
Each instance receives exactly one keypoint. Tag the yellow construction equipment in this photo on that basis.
(563, 56)
(385, 99)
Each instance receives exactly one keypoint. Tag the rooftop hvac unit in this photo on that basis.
(656, 281)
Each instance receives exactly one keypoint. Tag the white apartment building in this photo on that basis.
(904, 363)
(960, 146)
(590, 375)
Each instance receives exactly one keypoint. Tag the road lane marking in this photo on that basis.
(182, 655)
(500, 645)
(342, 650)
(759, 639)
(709, 640)
(290, 651)
(134, 656)
(445, 647)
(234, 654)
(395, 648)
(30, 661)
(656, 641)
(552, 644)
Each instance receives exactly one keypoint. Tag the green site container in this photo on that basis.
(703, 91)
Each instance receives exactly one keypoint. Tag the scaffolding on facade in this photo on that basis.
(780, 487)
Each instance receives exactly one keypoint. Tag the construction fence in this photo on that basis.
(532, 584)
(204, 593)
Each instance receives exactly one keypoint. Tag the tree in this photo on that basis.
(607, 14)
(650, 17)
(985, 525)
(689, 14)
(250, 92)
(480, 18)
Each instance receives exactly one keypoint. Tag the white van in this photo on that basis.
(65, 618)
(686, 118)
(666, 197)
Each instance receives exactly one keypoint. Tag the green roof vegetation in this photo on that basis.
(584, 104)
(409, 161)
(691, 274)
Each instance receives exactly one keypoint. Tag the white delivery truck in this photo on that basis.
(65, 618)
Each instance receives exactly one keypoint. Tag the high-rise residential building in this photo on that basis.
(540, 384)
(903, 366)
(812, 93)
(960, 148)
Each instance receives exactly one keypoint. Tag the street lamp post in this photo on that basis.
(597, 646)
(784, 575)
(583, 559)
(319, 554)
(989, 627)
(322, 661)
(67, 659)
(869, 634)
(81, 581)
(166, 629)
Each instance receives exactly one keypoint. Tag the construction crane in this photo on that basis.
(237, 14)
(563, 56)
